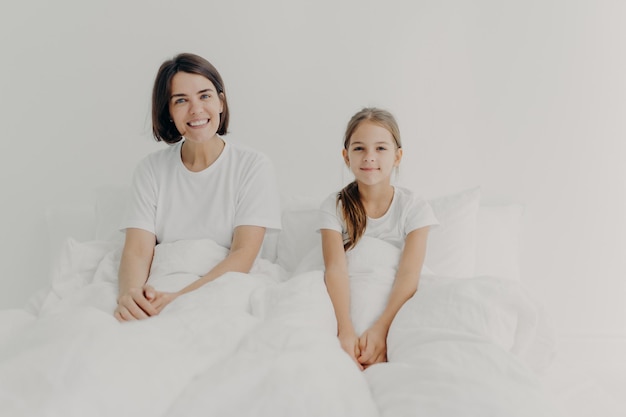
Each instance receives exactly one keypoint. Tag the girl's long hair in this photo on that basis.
(352, 207)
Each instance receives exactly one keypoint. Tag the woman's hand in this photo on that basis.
(134, 304)
(158, 299)
(350, 343)
(373, 346)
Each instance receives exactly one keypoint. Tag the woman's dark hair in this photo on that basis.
(352, 206)
(162, 127)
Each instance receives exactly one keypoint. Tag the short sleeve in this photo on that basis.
(141, 209)
(329, 214)
(258, 202)
(419, 214)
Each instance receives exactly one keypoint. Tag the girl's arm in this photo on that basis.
(133, 273)
(245, 247)
(373, 343)
(338, 286)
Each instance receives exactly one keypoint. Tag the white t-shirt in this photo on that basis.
(167, 199)
(406, 213)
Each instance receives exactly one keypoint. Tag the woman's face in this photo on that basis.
(372, 154)
(195, 106)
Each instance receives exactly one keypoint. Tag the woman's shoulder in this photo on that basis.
(245, 152)
(161, 156)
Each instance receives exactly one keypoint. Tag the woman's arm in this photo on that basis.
(245, 247)
(374, 341)
(338, 286)
(133, 273)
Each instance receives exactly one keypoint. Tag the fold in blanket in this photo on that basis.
(259, 345)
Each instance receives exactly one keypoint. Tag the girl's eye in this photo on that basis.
(357, 148)
(179, 101)
(381, 148)
(205, 96)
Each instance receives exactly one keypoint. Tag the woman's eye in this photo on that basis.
(357, 148)
(381, 148)
(179, 101)
(205, 96)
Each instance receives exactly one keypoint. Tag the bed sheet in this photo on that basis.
(259, 344)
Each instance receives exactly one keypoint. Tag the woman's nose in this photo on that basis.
(196, 107)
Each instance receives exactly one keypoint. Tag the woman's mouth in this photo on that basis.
(197, 123)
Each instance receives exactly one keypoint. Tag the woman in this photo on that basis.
(200, 187)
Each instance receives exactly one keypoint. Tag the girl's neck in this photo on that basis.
(376, 199)
(198, 156)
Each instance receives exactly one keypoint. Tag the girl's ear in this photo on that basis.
(344, 152)
(398, 157)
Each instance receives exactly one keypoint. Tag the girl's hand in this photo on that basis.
(373, 347)
(134, 305)
(350, 343)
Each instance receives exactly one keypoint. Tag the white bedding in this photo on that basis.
(260, 345)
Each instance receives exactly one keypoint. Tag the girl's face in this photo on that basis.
(372, 154)
(195, 106)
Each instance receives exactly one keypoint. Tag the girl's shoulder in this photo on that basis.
(407, 200)
(406, 195)
(330, 202)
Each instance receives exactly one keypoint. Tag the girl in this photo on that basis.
(371, 206)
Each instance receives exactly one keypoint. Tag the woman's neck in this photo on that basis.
(198, 156)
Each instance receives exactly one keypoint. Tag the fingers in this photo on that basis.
(161, 300)
(149, 292)
(135, 306)
(362, 343)
(118, 315)
(373, 350)
(356, 355)
(350, 345)
(130, 311)
(367, 350)
(145, 305)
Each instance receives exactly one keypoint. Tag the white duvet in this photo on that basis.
(259, 345)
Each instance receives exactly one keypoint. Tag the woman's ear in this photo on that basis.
(344, 153)
(222, 97)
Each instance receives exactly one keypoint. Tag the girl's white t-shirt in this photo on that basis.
(407, 212)
(167, 199)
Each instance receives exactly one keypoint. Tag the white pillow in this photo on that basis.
(451, 247)
(498, 241)
(289, 204)
(497, 310)
(297, 237)
(71, 270)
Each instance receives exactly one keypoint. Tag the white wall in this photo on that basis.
(526, 98)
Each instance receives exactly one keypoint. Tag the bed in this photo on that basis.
(471, 342)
